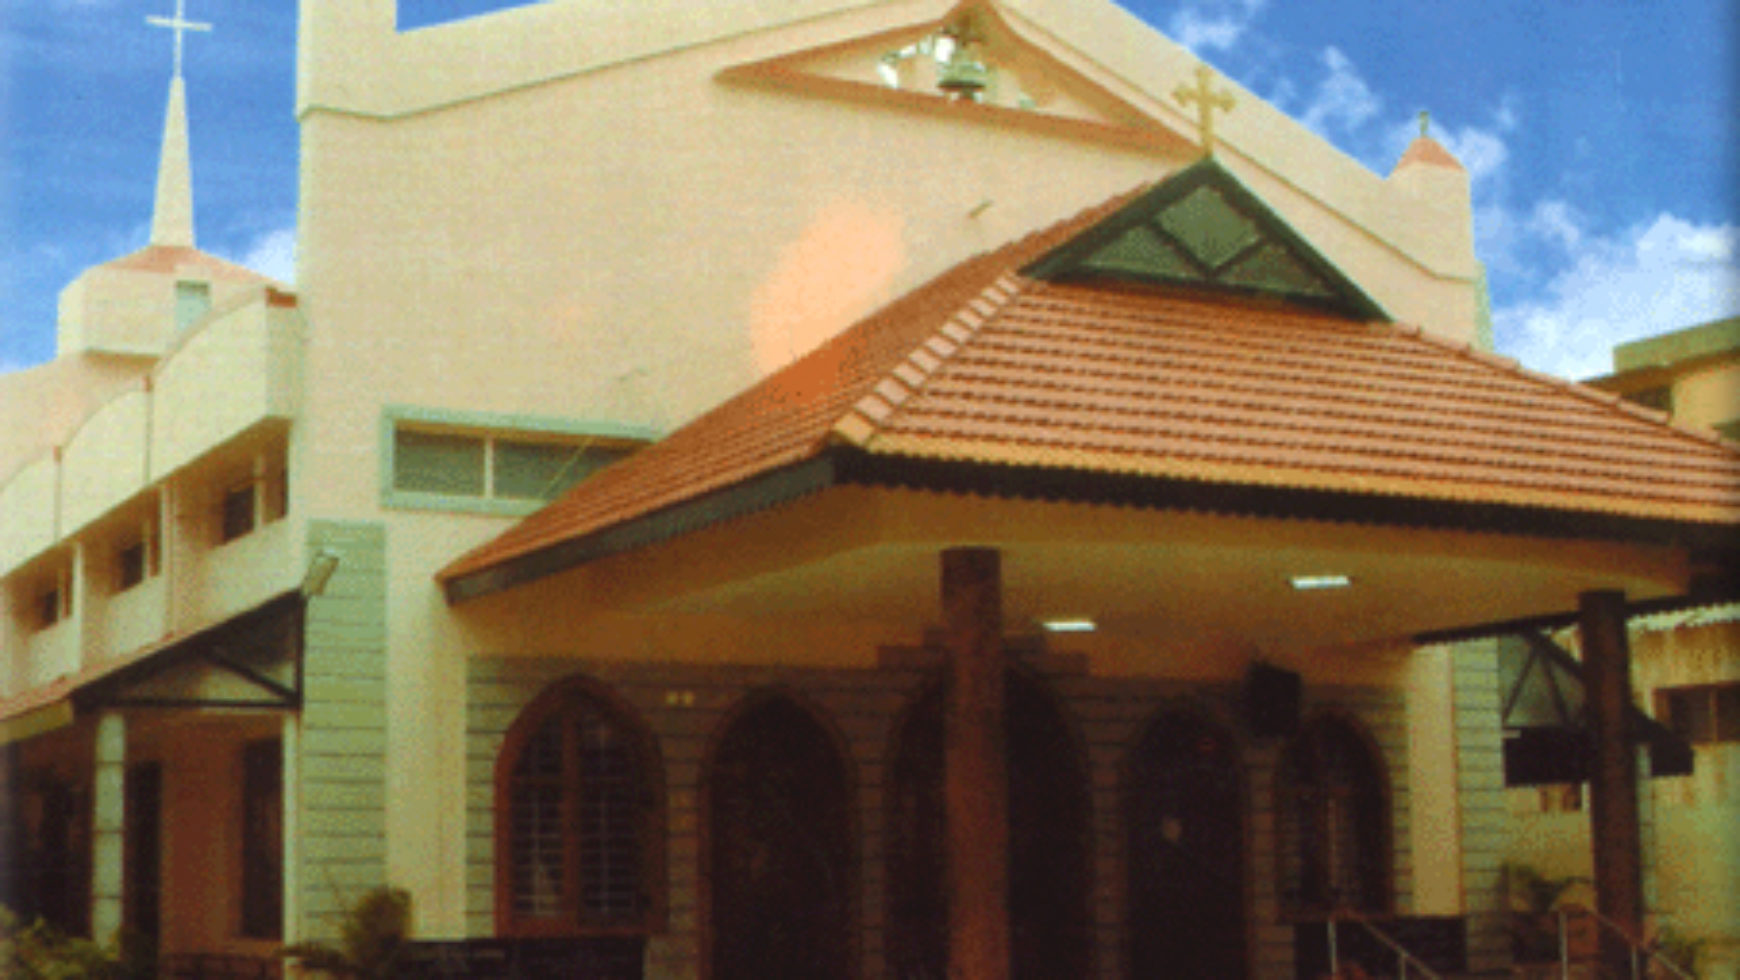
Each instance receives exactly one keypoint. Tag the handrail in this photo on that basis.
(1403, 956)
(1635, 944)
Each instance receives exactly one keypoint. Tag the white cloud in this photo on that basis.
(1482, 151)
(1342, 99)
(1660, 276)
(1558, 222)
(1213, 25)
(273, 254)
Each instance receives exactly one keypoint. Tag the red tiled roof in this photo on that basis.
(985, 366)
(173, 258)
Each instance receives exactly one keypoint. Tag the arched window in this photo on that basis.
(579, 835)
(1334, 821)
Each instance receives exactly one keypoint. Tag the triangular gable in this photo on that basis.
(1202, 227)
(1026, 86)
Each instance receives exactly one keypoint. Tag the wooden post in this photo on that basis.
(975, 767)
(1615, 835)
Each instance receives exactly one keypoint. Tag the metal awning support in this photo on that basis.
(252, 661)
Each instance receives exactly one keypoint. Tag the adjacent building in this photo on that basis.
(1686, 669)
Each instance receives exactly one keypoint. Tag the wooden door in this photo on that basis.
(1185, 859)
(779, 827)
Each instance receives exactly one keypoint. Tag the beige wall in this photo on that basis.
(1709, 395)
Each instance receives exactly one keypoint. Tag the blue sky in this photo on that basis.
(1601, 136)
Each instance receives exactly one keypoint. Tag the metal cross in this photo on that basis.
(180, 25)
(1207, 101)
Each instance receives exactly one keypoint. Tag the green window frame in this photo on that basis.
(474, 462)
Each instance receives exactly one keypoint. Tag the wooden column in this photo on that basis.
(1614, 828)
(975, 767)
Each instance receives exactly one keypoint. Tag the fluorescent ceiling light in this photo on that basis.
(1315, 583)
(1079, 624)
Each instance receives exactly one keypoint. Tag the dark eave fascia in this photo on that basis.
(1699, 596)
(1047, 483)
(848, 466)
(749, 496)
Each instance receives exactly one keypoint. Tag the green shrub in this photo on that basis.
(39, 951)
(372, 939)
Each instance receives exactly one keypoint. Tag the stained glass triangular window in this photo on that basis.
(1204, 228)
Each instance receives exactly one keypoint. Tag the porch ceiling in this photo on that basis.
(853, 553)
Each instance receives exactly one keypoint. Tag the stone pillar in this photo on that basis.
(1614, 825)
(108, 826)
(975, 766)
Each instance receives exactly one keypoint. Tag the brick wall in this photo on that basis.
(684, 706)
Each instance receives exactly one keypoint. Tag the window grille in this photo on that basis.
(578, 817)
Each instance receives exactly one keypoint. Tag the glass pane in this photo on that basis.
(610, 818)
(536, 814)
(429, 462)
(1142, 252)
(1209, 227)
(192, 301)
(545, 470)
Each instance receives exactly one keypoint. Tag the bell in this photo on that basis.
(962, 75)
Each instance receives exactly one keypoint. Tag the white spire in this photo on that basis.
(172, 216)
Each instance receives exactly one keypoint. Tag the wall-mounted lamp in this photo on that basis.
(320, 569)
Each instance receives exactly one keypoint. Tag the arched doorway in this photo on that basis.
(1048, 840)
(1185, 856)
(1332, 819)
(780, 849)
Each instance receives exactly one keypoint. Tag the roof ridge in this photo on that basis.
(1606, 399)
(866, 416)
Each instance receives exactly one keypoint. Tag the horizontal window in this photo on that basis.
(513, 468)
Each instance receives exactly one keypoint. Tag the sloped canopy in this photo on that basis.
(1159, 391)
(250, 662)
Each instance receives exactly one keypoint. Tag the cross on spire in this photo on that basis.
(180, 25)
(1207, 101)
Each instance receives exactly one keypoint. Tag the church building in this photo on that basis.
(817, 489)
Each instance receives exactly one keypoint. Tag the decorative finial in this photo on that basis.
(180, 25)
(1425, 123)
(1207, 101)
